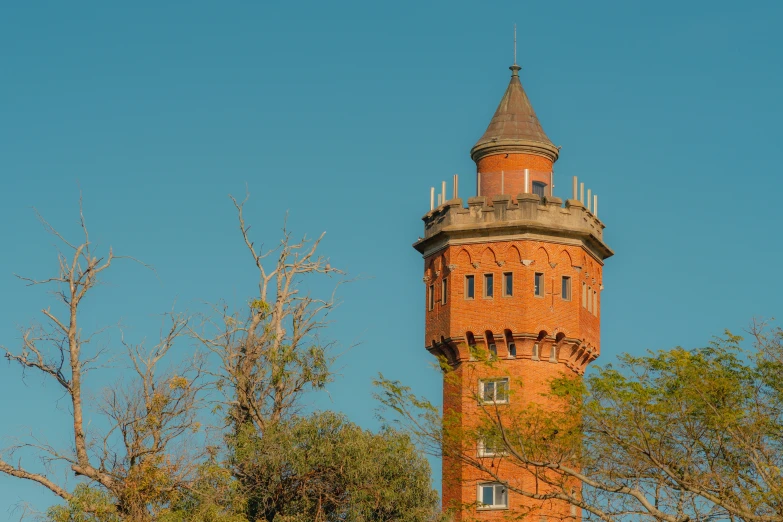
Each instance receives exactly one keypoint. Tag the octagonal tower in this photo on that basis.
(516, 273)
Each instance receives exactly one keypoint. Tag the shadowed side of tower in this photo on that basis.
(516, 273)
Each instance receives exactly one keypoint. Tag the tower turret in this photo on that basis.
(514, 144)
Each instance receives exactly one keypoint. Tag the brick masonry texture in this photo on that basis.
(534, 323)
(513, 166)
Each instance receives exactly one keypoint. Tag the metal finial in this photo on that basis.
(515, 44)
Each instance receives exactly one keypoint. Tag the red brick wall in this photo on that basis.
(513, 166)
(525, 316)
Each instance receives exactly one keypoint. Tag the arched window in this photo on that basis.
(510, 345)
(491, 346)
(539, 189)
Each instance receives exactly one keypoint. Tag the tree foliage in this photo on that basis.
(150, 457)
(674, 435)
(322, 468)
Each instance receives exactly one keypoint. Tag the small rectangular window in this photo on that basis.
(508, 284)
(493, 495)
(489, 285)
(566, 288)
(494, 391)
(512, 350)
(584, 295)
(490, 448)
(470, 286)
(539, 284)
(493, 351)
(444, 290)
(430, 297)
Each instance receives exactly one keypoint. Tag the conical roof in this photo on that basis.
(515, 126)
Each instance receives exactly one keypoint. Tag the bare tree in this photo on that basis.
(138, 464)
(271, 352)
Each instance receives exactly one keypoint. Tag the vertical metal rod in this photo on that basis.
(552, 184)
(454, 184)
(595, 205)
(527, 181)
(478, 184)
(443, 191)
(575, 188)
(589, 200)
(432, 198)
(582, 193)
(515, 44)
(502, 182)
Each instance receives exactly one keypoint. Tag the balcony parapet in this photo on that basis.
(499, 217)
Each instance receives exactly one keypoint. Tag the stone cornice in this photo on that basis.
(530, 218)
(500, 146)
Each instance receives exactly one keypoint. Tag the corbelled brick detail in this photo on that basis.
(522, 318)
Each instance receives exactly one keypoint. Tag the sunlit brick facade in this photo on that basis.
(541, 318)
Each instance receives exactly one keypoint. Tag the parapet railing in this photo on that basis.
(523, 210)
(525, 181)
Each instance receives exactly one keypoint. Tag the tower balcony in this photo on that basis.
(502, 217)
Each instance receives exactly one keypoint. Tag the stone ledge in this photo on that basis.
(500, 216)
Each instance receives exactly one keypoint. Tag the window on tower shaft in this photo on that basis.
(470, 286)
(489, 285)
(508, 284)
(444, 290)
(492, 495)
(566, 288)
(494, 391)
(539, 189)
(539, 285)
(430, 297)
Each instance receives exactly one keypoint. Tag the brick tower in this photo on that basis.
(516, 275)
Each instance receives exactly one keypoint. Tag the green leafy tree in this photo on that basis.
(675, 435)
(322, 468)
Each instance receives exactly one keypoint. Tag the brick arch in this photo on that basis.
(464, 258)
(564, 258)
(541, 255)
(429, 267)
(446, 257)
(512, 255)
(488, 257)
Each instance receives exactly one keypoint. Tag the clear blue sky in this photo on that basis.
(344, 114)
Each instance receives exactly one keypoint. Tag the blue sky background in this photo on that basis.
(344, 114)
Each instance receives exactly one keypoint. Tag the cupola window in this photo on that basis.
(539, 189)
